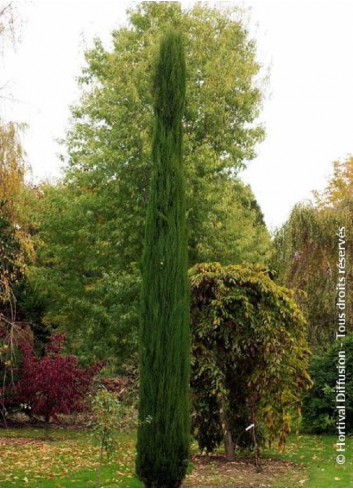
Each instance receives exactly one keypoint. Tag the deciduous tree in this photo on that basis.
(249, 357)
(306, 251)
(92, 227)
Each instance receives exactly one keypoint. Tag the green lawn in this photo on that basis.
(318, 455)
(70, 460)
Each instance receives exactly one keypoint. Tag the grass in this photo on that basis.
(318, 455)
(70, 460)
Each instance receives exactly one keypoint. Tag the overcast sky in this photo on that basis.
(309, 45)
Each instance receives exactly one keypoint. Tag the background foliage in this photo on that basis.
(91, 226)
(319, 410)
(306, 255)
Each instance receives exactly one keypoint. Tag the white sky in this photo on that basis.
(308, 43)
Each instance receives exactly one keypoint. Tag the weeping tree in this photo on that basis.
(249, 358)
(163, 434)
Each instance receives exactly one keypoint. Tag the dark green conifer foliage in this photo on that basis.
(163, 434)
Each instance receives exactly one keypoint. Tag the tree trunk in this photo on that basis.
(99, 471)
(253, 431)
(228, 440)
(47, 427)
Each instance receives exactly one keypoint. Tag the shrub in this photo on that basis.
(53, 384)
(319, 410)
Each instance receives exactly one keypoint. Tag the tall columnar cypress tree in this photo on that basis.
(163, 434)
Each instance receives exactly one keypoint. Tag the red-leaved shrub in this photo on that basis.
(53, 384)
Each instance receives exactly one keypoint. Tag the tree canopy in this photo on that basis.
(108, 143)
(91, 226)
(306, 254)
(15, 243)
